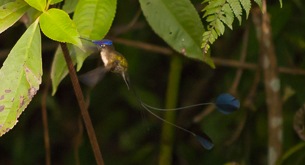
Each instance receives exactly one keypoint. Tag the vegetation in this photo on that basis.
(179, 53)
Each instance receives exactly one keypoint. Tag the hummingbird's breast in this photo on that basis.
(105, 58)
(114, 61)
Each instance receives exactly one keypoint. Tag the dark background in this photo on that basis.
(128, 135)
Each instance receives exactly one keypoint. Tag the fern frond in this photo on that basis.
(259, 3)
(246, 4)
(236, 7)
(221, 13)
(227, 16)
(212, 13)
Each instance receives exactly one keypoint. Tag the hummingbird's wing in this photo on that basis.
(92, 77)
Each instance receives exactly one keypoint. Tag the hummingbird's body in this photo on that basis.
(113, 60)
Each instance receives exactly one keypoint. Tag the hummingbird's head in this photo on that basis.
(104, 43)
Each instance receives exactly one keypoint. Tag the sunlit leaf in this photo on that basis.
(11, 13)
(93, 18)
(2, 2)
(236, 8)
(177, 23)
(246, 4)
(20, 77)
(55, 1)
(59, 67)
(37, 4)
(57, 25)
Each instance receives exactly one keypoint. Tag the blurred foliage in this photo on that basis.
(127, 135)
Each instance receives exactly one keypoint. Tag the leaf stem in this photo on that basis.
(167, 136)
(82, 105)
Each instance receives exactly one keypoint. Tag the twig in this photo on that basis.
(45, 122)
(248, 102)
(238, 130)
(217, 61)
(204, 113)
(235, 84)
(82, 105)
(242, 59)
(145, 46)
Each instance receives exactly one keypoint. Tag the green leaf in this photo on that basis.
(37, 4)
(20, 77)
(94, 18)
(213, 4)
(57, 25)
(59, 67)
(211, 18)
(228, 16)
(69, 6)
(219, 27)
(236, 8)
(211, 11)
(2, 2)
(259, 3)
(246, 4)
(55, 1)
(11, 12)
(177, 23)
(281, 3)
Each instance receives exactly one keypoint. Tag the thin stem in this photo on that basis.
(242, 59)
(217, 61)
(167, 136)
(82, 105)
(45, 122)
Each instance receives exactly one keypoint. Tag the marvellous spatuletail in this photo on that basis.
(115, 62)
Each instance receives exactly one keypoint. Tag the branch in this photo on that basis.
(268, 62)
(82, 105)
(217, 61)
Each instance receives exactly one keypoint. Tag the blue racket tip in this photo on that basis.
(103, 42)
(205, 142)
(226, 103)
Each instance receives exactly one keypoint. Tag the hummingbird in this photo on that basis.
(117, 63)
(113, 61)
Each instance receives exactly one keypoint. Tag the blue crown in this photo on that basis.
(103, 42)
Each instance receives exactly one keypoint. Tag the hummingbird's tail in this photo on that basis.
(204, 140)
(126, 79)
